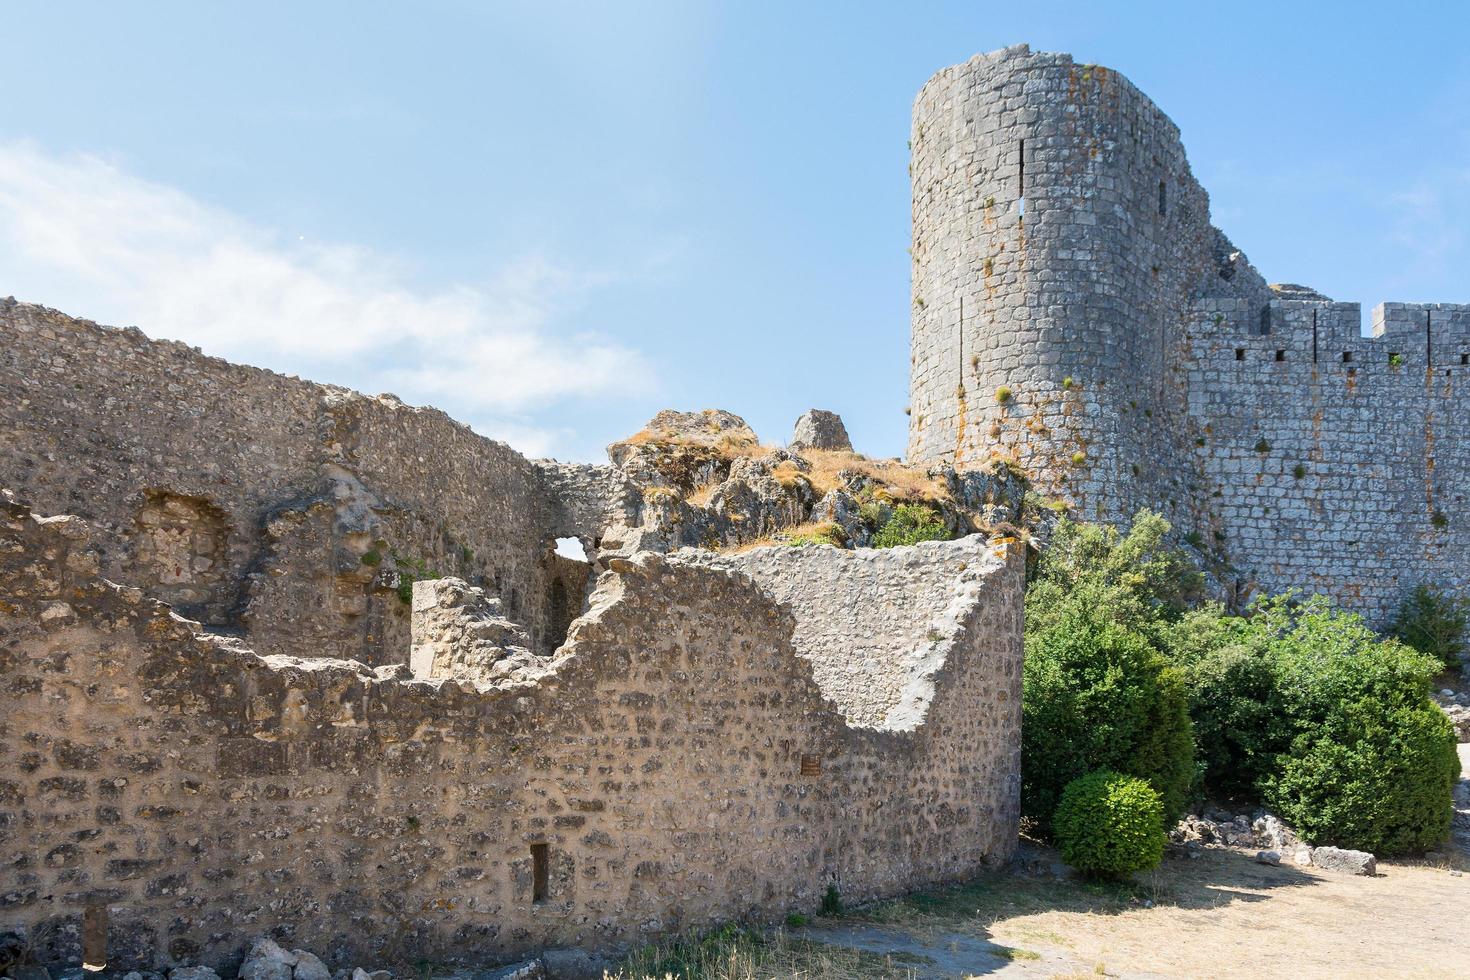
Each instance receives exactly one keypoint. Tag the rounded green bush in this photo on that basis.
(1110, 825)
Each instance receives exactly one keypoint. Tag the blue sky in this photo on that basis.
(552, 220)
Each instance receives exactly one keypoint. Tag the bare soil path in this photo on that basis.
(1221, 916)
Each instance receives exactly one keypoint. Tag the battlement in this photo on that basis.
(1326, 333)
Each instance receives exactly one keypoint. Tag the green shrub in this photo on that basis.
(796, 920)
(1303, 707)
(831, 901)
(1371, 780)
(1136, 579)
(1235, 724)
(910, 524)
(1003, 394)
(1110, 825)
(1098, 695)
(1433, 621)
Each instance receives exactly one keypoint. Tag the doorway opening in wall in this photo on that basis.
(94, 938)
(540, 873)
(570, 573)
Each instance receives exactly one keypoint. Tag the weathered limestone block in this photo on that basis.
(1345, 861)
(817, 429)
(459, 633)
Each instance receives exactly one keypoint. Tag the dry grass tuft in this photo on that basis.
(810, 532)
(741, 954)
(901, 484)
(701, 495)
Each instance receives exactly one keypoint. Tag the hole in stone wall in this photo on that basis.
(94, 938)
(1281, 355)
(1465, 358)
(1240, 353)
(540, 873)
(1347, 357)
(571, 548)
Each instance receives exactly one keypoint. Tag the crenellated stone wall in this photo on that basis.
(678, 764)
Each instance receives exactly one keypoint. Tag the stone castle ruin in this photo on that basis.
(280, 658)
(303, 662)
(1074, 308)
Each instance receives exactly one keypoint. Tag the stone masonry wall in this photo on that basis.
(1063, 252)
(870, 621)
(252, 501)
(678, 766)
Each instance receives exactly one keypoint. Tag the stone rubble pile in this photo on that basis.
(1457, 706)
(1272, 840)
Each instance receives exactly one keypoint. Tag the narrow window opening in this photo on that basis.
(94, 938)
(1163, 198)
(540, 873)
(1281, 355)
(1314, 336)
(1021, 181)
(1428, 339)
(1347, 357)
(1465, 358)
(1265, 327)
(1240, 353)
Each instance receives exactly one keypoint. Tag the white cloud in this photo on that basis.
(78, 233)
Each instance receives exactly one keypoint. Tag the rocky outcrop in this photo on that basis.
(701, 480)
(820, 430)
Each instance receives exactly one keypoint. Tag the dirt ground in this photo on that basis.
(1221, 916)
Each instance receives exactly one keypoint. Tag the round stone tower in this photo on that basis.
(1058, 239)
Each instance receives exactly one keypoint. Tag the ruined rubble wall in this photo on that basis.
(869, 620)
(257, 501)
(680, 766)
(1339, 459)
